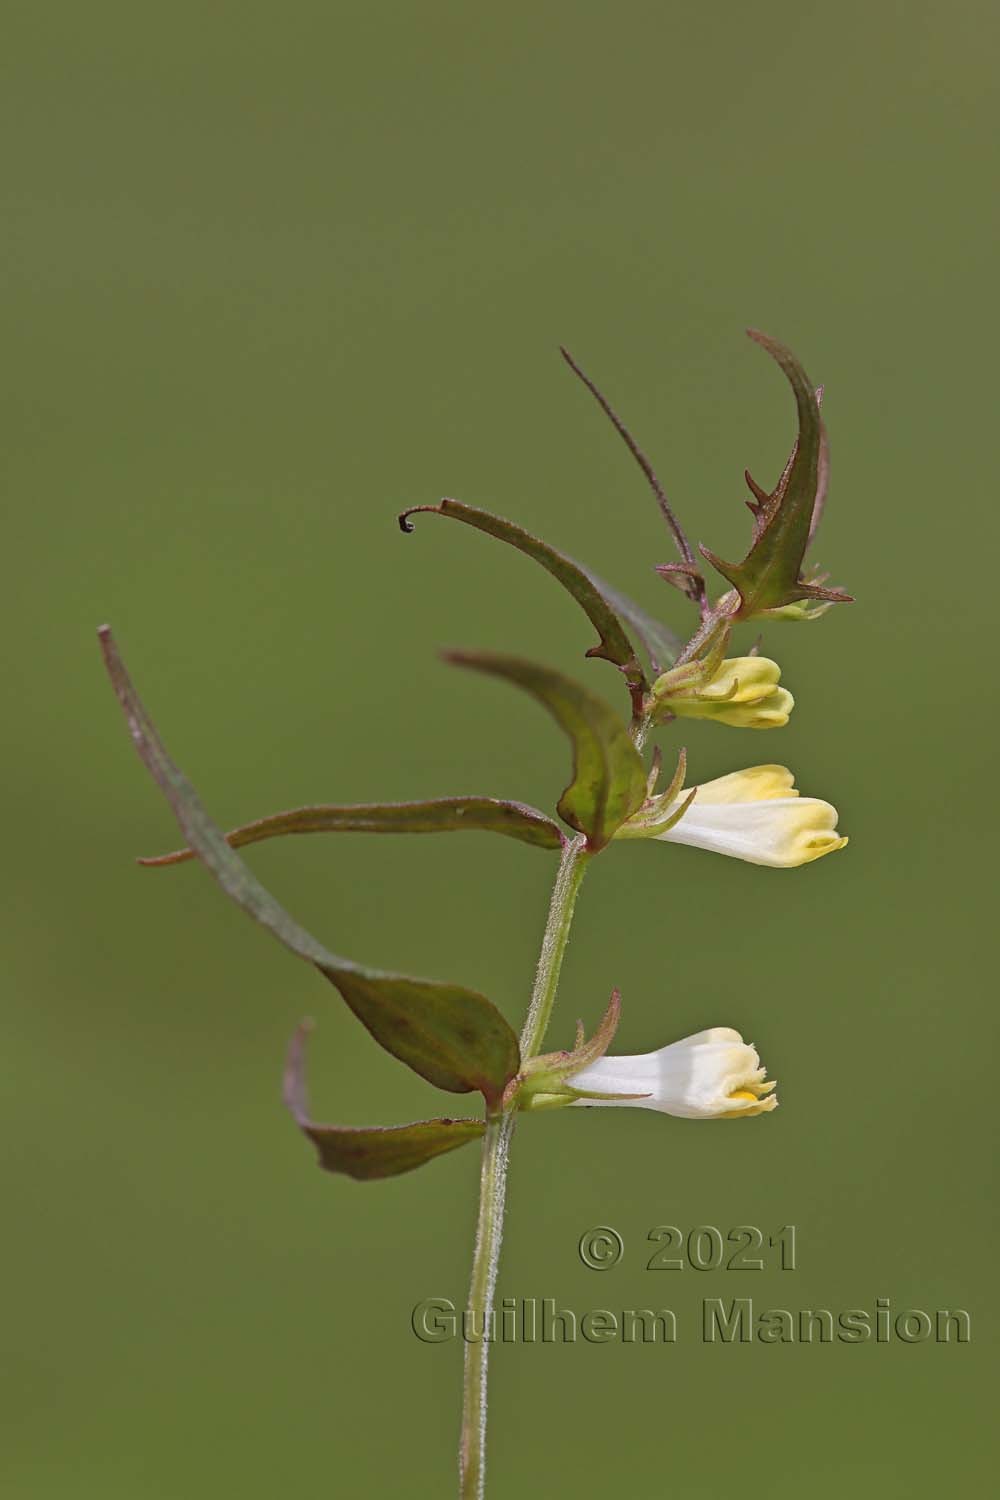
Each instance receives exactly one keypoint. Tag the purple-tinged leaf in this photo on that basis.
(770, 576)
(657, 641)
(609, 780)
(678, 574)
(690, 580)
(367, 1153)
(443, 815)
(453, 1037)
(763, 498)
(586, 1050)
(611, 613)
(589, 1051)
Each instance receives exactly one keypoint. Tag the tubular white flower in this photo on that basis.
(713, 1075)
(758, 816)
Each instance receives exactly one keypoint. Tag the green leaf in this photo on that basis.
(369, 1152)
(453, 1037)
(609, 611)
(660, 645)
(444, 815)
(609, 781)
(770, 574)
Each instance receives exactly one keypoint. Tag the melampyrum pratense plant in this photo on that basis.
(455, 1038)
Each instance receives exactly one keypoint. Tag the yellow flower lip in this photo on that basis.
(755, 784)
(753, 1097)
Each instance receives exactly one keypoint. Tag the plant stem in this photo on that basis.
(489, 1233)
(493, 1178)
(571, 872)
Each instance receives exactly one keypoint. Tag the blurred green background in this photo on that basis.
(270, 273)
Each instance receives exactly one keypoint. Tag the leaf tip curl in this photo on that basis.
(403, 519)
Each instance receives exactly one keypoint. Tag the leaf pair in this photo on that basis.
(453, 1037)
(608, 782)
(767, 580)
(612, 614)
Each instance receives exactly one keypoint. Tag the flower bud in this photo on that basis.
(743, 692)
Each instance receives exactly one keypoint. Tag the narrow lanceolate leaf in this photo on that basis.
(770, 575)
(686, 574)
(589, 1051)
(444, 815)
(369, 1152)
(609, 781)
(657, 642)
(611, 613)
(453, 1037)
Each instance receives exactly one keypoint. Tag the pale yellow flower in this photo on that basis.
(757, 815)
(743, 692)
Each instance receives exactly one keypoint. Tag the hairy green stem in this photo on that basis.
(571, 871)
(493, 1178)
(489, 1233)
